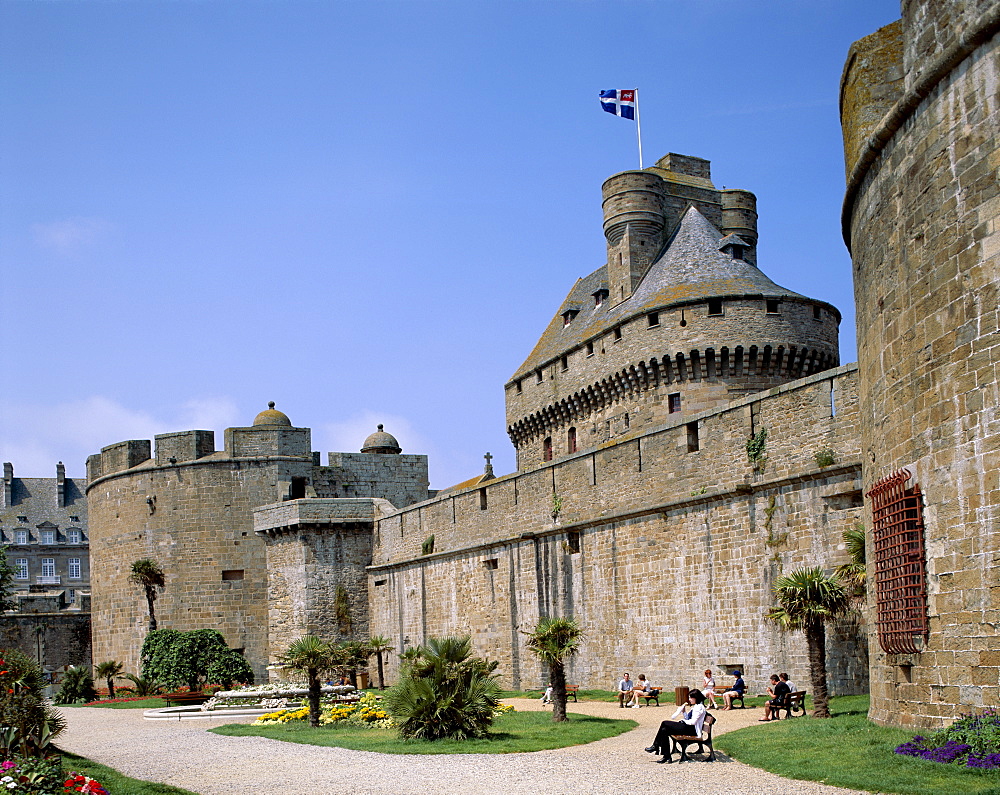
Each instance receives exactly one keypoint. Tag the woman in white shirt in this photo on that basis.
(709, 689)
(692, 716)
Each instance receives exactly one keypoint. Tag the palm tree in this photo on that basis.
(108, 670)
(854, 575)
(379, 645)
(147, 574)
(553, 640)
(807, 599)
(445, 691)
(312, 655)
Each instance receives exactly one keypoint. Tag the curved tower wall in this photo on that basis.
(921, 115)
(193, 516)
(704, 360)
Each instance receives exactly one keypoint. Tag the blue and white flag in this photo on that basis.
(620, 101)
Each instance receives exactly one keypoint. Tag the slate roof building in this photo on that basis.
(43, 523)
(679, 320)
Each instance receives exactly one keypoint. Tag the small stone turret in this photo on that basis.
(739, 217)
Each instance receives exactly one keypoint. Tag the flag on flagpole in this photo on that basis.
(619, 101)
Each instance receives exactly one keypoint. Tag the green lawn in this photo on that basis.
(515, 732)
(582, 695)
(146, 703)
(113, 781)
(849, 751)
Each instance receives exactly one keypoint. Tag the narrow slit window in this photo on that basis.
(674, 402)
(565, 363)
(590, 349)
(571, 440)
(573, 542)
(817, 313)
(547, 449)
(482, 500)
(618, 334)
(538, 376)
(692, 437)
(518, 387)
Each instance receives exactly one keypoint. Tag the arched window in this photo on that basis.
(571, 440)
(547, 449)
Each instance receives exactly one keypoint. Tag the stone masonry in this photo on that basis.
(920, 107)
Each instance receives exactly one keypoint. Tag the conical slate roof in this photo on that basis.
(691, 269)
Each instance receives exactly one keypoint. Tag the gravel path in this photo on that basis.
(183, 754)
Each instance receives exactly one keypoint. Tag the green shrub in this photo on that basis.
(445, 692)
(185, 658)
(77, 686)
(27, 723)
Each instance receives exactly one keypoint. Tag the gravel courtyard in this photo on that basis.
(184, 754)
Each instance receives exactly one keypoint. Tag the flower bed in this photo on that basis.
(36, 776)
(103, 701)
(269, 695)
(971, 741)
(364, 712)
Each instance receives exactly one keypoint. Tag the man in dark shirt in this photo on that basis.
(779, 690)
(738, 688)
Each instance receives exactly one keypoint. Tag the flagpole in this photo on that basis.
(638, 127)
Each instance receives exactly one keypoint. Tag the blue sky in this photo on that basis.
(366, 211)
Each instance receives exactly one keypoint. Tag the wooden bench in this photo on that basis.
(681, 742)
(733, 700)
(653, 695)
(794, 702)
(571, 690)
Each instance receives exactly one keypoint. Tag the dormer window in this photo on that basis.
(600, 297)
(568, 316)
(737, 252)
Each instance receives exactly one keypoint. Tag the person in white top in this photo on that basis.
(791, 688)
(692, 716)
(709, 689)
(640, 689)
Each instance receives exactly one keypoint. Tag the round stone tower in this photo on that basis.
(921, 117)
(680, 319)
(189, 508)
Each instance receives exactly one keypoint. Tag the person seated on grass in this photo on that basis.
(624, 689)
(737, 690)
(640, 689)
(692, 717)
(779, 692)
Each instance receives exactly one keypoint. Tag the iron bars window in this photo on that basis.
(900, 564)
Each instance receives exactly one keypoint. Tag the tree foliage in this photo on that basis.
(379, 645)
(854, 575)
(553, 641)
(27, 723)
(187, 658)
(807, 599)
(314, 656)
(445, 691)
(108, 670)
(7, 602)
(77, 686)
(149, 576)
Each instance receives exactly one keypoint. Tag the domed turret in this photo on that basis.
(381, 442)
(271, 416)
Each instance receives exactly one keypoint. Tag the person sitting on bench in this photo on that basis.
(640, 689)
(737, 690)
(779, 690)
(692, 716)
(624, 689)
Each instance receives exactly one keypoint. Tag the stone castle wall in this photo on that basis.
(707, 360)
(664, 553)
(922, 219)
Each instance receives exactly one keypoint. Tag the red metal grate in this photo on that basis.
(900, 565)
